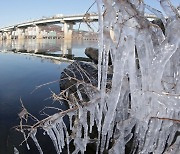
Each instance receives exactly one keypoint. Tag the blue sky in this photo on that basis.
(14, 11)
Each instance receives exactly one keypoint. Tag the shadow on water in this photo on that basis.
(19, 75)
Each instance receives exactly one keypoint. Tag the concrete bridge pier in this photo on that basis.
(21, 33)
(4, 36)
(8, 35)
(13, 36)
(68, 28)
(39, 33)
(1, 36)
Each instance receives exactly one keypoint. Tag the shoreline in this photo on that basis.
(59, 59)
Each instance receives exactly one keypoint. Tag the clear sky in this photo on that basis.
(15, 11)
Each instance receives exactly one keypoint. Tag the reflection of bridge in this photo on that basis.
(49, 48)
(33, 28)
(38, 46)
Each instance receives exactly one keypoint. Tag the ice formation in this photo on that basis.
(140, 114)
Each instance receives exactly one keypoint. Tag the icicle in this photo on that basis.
(116, 85)
(53, 138)
(16, 150)
(175, 148)
(58, 131)
(92, 118)
(101, 47)
(70, 115)
(33, 136)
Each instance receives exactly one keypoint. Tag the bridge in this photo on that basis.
(33, 28)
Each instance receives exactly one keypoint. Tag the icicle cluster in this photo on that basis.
(141, 112)
(145, 109)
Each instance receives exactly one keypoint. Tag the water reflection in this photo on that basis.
(55, 47)
(20, 74)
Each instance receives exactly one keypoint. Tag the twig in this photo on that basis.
(85, 14)
(175, 120)
(45, 84)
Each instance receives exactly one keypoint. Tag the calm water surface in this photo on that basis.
(20, 74)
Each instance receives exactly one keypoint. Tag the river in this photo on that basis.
(24, 65)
